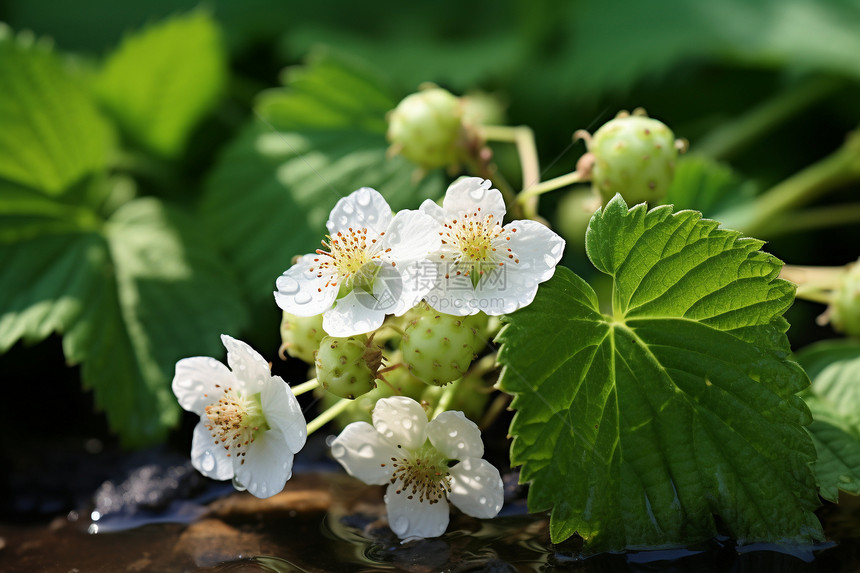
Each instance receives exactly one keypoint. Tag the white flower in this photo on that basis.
(374, 263)
(484, 266)
(250, 422)
(411, 455)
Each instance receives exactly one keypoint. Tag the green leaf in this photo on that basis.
(130, 297)
(638, 426)
(163, 80)
(52, 132)
(834, 400)
(319, 139)
(707, 186)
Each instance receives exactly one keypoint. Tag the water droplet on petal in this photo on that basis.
(400, 525)
(461, 445)
(338, 451)
(365, 451)
(407, 423)
(207, 462)
(452, 434)
(303, 297)
(288, 285)
(482, 500)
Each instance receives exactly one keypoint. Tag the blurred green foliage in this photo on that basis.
(162, 162)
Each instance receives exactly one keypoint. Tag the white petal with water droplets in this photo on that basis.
(249, 368)
(302, 292)
(401, 421)
(414, 519)
(353, 314)
(364, 453)
(283, 413)
(207, 457)
(469, 194)
(194, 383)
(476, 488)
(455, 436)
(364, 208)
(412, 235)
(268, 465)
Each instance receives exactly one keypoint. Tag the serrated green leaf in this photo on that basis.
(319, 139)
(638, 427)
(130, 298)
(834, 399)
(162, 80)
(52, 132)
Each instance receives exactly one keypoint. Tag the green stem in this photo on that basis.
(328, 415)
(733, 136)
(300, 389)
(762, 217)
(446, 398)
(822, 217)
(551, 185)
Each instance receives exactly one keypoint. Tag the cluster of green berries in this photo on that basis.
(633, 155)
(427, 351)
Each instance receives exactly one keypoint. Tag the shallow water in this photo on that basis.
(329, 522)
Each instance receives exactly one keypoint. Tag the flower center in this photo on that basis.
(350, 258)
(478, 246)
(422, 473)
(235, 421)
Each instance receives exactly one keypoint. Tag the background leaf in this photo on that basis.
(131, 298)
(52, 133)
(163, 79)
(834, 399)
(632, 425)
(316, 140)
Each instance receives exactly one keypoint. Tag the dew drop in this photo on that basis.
(400, 525)
(406, 423)
(288, 285)
(482, 500)
(477, 194)
(461, 445)
(365, 451)
(303, 298)
(207, 462)
(364, 198)
(338, 451)
(452, 434)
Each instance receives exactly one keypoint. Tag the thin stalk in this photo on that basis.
(496, 408)
(328, 415)
(762, 217)
(551, 185)
(300, 389)
(821, 217)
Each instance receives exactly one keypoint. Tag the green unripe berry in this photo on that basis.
(301, 336)
(347, 367)
(633, 155)
(438, 348)
(426, 128)
(844, 310)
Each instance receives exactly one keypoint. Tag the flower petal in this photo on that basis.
(268, 464)
(416, 280)
(209, 458)
(411, 236)
(302, 292)
(365, 208)
(401, 421)
(364, 454)
(476, 488)
(431, 208)
(195, 380)
(414, 519)
(538, 248)
(467, 194)
(454, 295)
(455, 435)
(249, 368)
(283, 413)
(353, 314)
